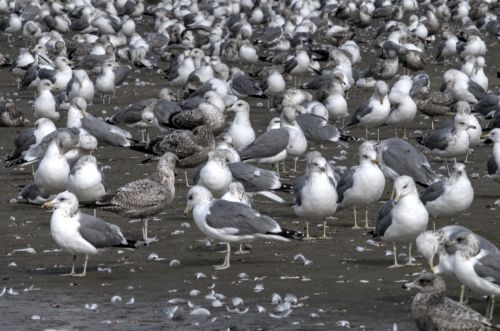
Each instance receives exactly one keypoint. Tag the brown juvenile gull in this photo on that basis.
(79, 233)
(144, 197)
(434, 103)
(433, 310)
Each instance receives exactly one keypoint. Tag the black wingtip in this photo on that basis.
(291, 234)
(420, 140)
(130, 244)
(348, 138)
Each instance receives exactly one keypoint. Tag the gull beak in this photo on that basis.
(381, 100)
(488, 141)
(431, 265)
(472, 126)
(187, 210)
(322, 169)
(397, 198)
(48, 205)
(375, 161)
(408, 286)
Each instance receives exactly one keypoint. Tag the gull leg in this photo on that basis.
(226, 263)
(378, 134)
(462, 293)
(324, 236)
(395, 132)
(307, 237)
(186, 178)
(366, 132)
(410, 263)
(241, 251)
(492, 307)
(84, 268)
(295, 159)
(72, 267)
(396, 264)
(432, 123)
(404, 134)
(367, 226)
(147, 241)
(356, 226)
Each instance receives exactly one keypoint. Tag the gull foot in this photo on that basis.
(395, 266)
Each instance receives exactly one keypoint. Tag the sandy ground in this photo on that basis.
(346, 281)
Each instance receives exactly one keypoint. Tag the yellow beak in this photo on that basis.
(48, 205)
(375, 161)
(187, 210)
(397, 198)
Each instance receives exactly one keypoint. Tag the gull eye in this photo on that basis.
(405, 186)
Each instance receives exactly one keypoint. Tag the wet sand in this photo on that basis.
(347, 280)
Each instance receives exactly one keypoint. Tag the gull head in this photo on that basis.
(196, 196)
(238, 106)
(459, 170)
(465, 243)
(404, 186)
(66, 201)
(428, 283)
(494, 136)
(318, 164)
(381, 90)
(367, 152)
(428, 245)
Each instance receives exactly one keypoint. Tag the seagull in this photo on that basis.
(403, 107)
(433, 310)
(80, 85)
(232, 221)
(110, 78)
(78, 233)
(449, 197)
(144, 197)
(402, 219)
(363, 184)
(85, 180)
(297, 142)
(494, 160)
(241, 128)
(10, 116)
(397, 157)
(315, 194)
(45, 103)
(461, 87)
(434, 103)
(374, 111)
(385, 68)
(476, 267)
(449, 142)
(51, 177)
(215, 175)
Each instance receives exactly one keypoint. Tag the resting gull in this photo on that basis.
(232, 221)
(78, 233)
(315, 194)
(81, 86)
(144, 197)
(433, 310)
(397, 157)
(241, 128)
(10, 116)
(363, 184)
(45, 103)
(85, 180)
(433, 103)
(449, 142)
(403, 107)
(51, 177)
(494, 160)
(374, 111)
(215, 175)
(402, 219)
(449, 197)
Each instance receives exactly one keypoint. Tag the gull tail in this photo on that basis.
(290, 234)
(348, 138)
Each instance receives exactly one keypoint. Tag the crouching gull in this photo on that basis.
(433, 310)
(402, 219)
(144, 197)
(363, 184)
(477, 268)
(85, 180)
(232, 221)
(79, 233)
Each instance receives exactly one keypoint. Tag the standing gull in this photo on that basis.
(477, 268)
(144, 197)
(232, 221)
(45, 103)
(315, 194)
(215, 175)
(449, 197)
(51, 177)
(79, 233)
(402, 219)
(85, 180)
(374, 111)
(433, 310)
(363, 184)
